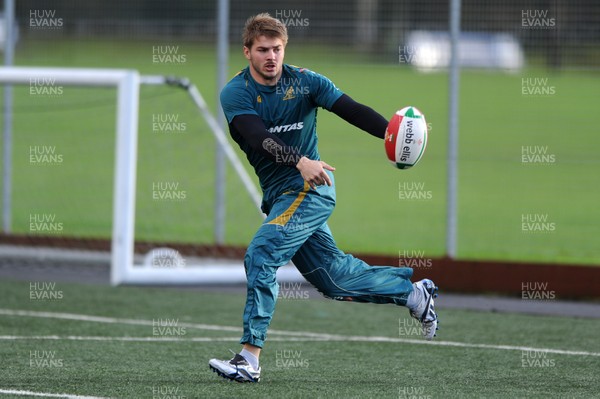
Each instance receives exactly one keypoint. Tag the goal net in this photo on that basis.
(146, 188)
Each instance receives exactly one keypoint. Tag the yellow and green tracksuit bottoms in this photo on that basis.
(296, 229)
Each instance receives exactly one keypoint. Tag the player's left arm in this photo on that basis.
(361, 116)
(325, 94)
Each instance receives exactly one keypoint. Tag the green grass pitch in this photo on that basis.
(498, 191)
(173, 362)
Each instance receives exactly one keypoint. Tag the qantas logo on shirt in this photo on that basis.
(286, 128)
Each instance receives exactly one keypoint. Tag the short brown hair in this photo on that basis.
(263, 25)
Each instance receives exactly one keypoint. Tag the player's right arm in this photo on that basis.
(244, 121)
(253, 131)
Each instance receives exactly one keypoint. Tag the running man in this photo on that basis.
(271, 108)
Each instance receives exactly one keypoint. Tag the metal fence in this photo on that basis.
(556, 33)
(550, 49)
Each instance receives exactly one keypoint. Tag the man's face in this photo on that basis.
(265, 59)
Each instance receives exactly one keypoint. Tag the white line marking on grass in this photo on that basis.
(46, 395)
(103, 338)
(291, 335)
(163, 338)
(323, 338)
(110, 320)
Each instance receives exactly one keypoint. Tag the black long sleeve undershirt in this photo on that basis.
(361, 116)
(252, 130)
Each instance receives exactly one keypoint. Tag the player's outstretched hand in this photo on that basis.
(313, 172)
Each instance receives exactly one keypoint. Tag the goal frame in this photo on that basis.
(127, 83)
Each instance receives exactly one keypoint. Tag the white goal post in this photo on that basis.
(123, 260)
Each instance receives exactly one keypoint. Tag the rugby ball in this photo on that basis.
(406, 137)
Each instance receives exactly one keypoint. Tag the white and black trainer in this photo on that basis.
(425, 311)
(237, 369)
